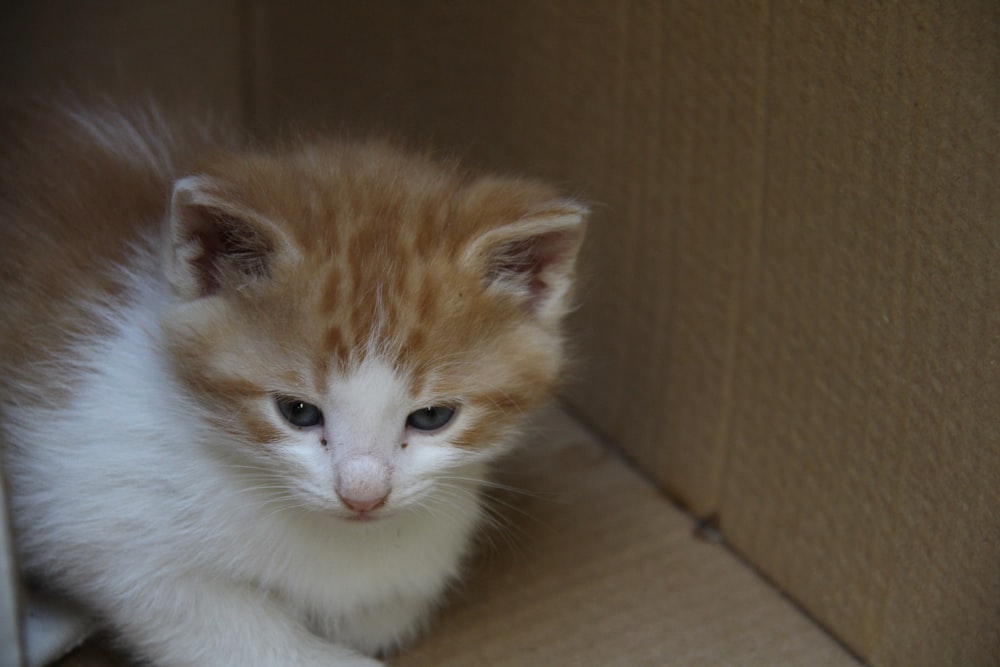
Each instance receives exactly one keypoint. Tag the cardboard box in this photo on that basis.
(790, 318)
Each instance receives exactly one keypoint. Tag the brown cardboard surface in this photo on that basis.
(424, 71)
(597, 568)
(184, 52)
(864, 474)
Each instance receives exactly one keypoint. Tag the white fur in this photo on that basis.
(204, 553)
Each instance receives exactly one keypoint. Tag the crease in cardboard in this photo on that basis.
(744, 291)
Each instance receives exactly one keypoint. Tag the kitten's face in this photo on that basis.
(362, 324)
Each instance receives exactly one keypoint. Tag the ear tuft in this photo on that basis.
(216, 242)
(533, 258)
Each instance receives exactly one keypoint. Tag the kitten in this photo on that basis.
(249, 393)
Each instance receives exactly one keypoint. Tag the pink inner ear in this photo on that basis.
(227, 244)
(526, 262)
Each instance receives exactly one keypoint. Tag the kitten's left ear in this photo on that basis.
(533, 258)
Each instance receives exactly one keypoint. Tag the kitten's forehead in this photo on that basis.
(394, 308)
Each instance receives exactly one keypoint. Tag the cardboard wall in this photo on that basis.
(791, 306)
(863, 468)
(185, 53)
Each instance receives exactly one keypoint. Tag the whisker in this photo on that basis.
(490, 504)
(490, 484)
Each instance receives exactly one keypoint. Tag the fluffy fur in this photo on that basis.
(164, 292)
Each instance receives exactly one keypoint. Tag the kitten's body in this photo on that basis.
(173, 308)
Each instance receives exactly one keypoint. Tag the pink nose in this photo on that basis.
(363, 504)
(363, 482)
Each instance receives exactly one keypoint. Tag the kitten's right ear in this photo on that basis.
(533, 258)
(215, 242)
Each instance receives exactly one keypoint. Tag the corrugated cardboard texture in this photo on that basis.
(597, 568)
(186, 52)
(864, 470)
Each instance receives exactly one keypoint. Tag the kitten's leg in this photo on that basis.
(197, 623)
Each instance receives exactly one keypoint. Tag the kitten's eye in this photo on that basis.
(430, 419)
(299, 413)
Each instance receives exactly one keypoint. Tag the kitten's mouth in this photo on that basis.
(366, 517)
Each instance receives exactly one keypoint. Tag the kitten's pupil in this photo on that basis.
(299, 413)
(430, 418)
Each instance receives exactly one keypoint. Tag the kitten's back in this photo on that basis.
(76, 188)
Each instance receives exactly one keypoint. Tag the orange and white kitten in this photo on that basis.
(249, 393)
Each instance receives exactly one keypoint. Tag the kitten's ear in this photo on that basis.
(533, 258)
(216, 243)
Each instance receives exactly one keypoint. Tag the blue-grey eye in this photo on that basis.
(430, 419)
(299, 413)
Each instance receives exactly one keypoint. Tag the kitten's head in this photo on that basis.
(362, 322)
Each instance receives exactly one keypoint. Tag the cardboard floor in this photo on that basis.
(597, 568)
